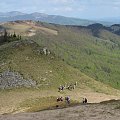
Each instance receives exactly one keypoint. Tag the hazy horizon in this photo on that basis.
(85, 9)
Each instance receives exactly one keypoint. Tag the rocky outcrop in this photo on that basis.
(44, 51)
(14, 80)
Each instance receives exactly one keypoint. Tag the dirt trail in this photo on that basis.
(94, 97)
(16, 98)
(81, 112)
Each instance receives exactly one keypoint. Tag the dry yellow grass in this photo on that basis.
(21, 100)
(27, 28)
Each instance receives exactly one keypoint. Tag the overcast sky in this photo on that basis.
(74, 8)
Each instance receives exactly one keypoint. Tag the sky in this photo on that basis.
(88, 9)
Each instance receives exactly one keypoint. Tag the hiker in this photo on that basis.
(70, 87)
(85, 100)
(75, 83)
(59, 99)
(67, 99)
(61, 88)
(73, 86)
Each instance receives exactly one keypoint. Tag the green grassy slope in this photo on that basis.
(97, 57)
(49, 72)
(46, 70)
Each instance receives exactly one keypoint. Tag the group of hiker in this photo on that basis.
(69, 87)
(84, 100)
(67, 99)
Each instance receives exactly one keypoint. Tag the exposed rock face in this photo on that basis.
(13, 79)
(45, 51)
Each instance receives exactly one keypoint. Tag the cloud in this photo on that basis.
(116, 8)
(62, 1)
(82, 8)
(63, 9)
(116, 5)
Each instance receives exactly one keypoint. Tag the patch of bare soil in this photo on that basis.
(101, 111)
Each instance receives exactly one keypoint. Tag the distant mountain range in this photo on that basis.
(15, 15)
(113, 19)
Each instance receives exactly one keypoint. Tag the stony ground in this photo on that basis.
(14, 79)
(81, 112)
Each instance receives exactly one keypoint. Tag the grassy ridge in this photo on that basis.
(49, 72)
(96, 57)
(83, 53)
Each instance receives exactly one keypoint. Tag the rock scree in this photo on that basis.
(10, 79)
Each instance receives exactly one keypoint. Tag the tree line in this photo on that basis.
(7, 37)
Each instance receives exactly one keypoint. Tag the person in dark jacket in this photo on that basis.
(85, 100)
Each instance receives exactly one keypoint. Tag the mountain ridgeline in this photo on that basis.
(56, 19)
